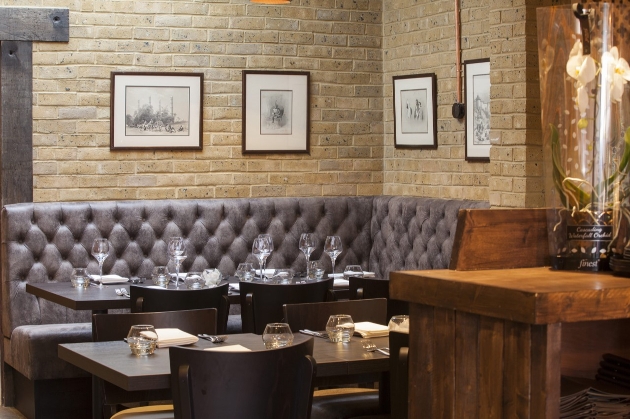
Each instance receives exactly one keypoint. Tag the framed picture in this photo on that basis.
(276, 112)
(477, 110)
(156, 111)
(415, 111)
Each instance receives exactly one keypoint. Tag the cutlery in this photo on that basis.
(122, 292)
(212, 338)
(371, 347)
(316, 334)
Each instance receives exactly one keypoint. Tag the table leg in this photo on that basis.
(97, 398)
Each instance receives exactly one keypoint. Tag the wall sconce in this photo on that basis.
(271, 1)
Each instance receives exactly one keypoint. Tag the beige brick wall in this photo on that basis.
(338, 41)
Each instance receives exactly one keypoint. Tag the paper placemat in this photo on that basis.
(229, 348)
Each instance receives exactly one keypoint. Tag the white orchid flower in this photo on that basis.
(583, 69)
(620, 71)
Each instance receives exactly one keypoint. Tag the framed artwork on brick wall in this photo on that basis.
(156, 111)
(415, 111)
(276, 112)
(477, 110)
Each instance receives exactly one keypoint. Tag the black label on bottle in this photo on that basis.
(591, 233)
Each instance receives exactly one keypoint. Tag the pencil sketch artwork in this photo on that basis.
(414, 111)
(153, 110)
(275, 112)
(481, 109)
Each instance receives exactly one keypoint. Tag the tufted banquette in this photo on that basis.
(42, 242)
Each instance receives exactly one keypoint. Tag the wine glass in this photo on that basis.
(261, 249)
(176, 253)
(100, 250)
(333, 248)
(307, 246)
(268, 237)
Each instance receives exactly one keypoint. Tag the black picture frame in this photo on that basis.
(415, 111)
(477, 87)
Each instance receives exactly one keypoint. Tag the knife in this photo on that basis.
(316, 334)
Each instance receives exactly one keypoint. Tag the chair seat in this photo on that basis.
(162, 411)
(345, 403)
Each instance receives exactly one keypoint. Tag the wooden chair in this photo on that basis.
(361, 288)
(111, 327)
(268, 384)
(145, 299)
(314, 316)
(261, 303)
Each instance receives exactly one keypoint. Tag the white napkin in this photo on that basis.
(235, 285)
(229, 348)
(335, 275)
(174, 337)
(340, 282)
(365, 275)
(110, 279)
(371, 330)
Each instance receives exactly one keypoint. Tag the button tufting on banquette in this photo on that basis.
(42, 242)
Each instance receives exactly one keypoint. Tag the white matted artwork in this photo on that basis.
(156, 110)
(415, 117)
(275, 112)
(478, 110)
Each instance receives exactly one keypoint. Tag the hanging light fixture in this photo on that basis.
(271, 1)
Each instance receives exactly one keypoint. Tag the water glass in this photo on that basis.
(399, 323)
(142, 339)
(277, 335)
(80, 278)
(161, 276)
(315, 270)
(212, 277)
(245, 272)
(284, 276)
(353, 270)
(194, 281)
(340, 328)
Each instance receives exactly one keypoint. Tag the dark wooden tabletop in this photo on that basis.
(113, 361)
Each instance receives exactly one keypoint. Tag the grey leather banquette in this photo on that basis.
(42, 242)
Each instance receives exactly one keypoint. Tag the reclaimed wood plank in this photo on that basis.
(445, 362)
(545, 373)
(500, 239)
(490, 368)
(516, 371)
(466, 370)
(16, 121)
(421, 362)
(34, 24)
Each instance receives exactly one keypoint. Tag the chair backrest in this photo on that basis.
(108, 327)
(261, 303)
(145, 299)
(314, 316)
(268, 384)
(399, 374)
(365, 288)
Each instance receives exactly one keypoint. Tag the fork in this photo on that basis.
(370, 346)
(213, 339)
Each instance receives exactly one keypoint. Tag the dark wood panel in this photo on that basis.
(516, 371)
(490, 368)
(545, 385)
(529, 295)
(16, 120)
(500, 239)
(466, 370)
(421, 365)
(445, 363)
(34, 24)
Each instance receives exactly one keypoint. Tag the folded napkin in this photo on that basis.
(340, 282)
(229, 348)
(234, 285)
(366, 274)
(110, 279)
(174, 337)
(371, 330)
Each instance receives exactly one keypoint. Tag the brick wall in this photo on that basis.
(338, 41)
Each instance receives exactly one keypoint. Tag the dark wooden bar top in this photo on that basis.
(529, 295)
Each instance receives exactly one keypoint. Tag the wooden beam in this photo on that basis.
(34, 24)
(16, 121)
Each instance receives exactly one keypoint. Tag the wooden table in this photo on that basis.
(113, 362)
(493, 343)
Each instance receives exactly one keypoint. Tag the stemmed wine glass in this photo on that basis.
(176, 253)
(261, 249)
(307, 246)
(268, 237)
(333, 248)
(100, 250)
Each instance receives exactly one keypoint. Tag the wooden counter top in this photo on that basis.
(529, 295)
